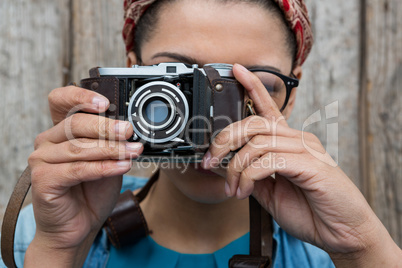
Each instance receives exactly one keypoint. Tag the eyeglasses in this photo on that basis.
(279, 86)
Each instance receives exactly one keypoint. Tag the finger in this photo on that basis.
(300, 169)
(66, 175)
(260, 169)
(221, 171)
(273, 193)
(264, 105)
(239, 133)
(66, 100)
(87, 150)
(254, 150)
(264, 193)
(88, 126)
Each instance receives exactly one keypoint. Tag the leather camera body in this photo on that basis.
(175, 109)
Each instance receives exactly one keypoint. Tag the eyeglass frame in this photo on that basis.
(290, 83)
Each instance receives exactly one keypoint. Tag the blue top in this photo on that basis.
(289, 251)
(148, 253)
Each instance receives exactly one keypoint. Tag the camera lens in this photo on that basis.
(156, 111)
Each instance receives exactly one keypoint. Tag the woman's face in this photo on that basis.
(213, 32)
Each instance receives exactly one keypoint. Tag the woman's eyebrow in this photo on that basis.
(176, 56)
(265, 67)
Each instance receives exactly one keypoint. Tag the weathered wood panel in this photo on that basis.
(330, 83)
(384, 112)
(97, 39)
(32, 39)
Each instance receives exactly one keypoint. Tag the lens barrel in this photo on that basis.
(158, 111)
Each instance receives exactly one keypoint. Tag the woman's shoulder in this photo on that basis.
(292, 252)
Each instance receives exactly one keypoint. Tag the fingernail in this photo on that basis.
(227, 190)
(124, 163)
(238, 193)
(242, 68)
(206, 160)
(98, 102)
(133, 146)
(121, 128)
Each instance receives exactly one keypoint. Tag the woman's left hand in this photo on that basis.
(310, 197)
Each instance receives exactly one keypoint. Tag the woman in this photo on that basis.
(198, 212)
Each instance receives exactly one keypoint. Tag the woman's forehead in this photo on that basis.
(215, 32)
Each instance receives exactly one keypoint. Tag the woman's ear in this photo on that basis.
(297, 71)
(131, 59)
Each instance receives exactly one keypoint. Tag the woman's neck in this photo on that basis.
(181, 224)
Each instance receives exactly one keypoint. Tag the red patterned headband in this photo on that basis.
(295, 13)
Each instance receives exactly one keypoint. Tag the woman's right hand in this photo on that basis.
(76, 173)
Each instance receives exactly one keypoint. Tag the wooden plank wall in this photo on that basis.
(351, 80)
(33, 39)
(382, 96)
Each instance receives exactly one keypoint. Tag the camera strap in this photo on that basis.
(127, 225)
(261, 227)
(11, 216)
(227, 91)
(261, 240)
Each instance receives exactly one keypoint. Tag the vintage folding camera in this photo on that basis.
(175, 109)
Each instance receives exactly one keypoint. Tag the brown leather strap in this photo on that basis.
(212, 73)
(94, 72)
(267, 231)
(255, 227)
(11, 216)
(144, 190)
(227, 99)
(108, 87)
(261, 241)
(127, 224)
(247, 261)
(260, 230)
